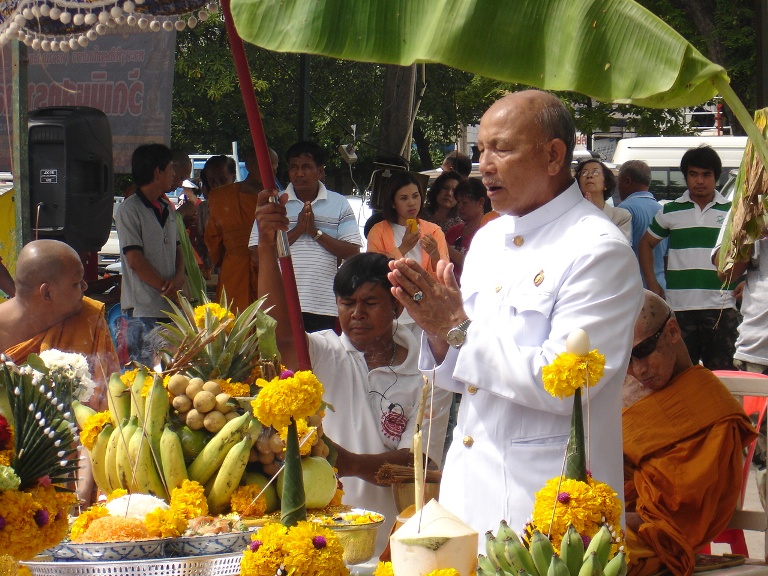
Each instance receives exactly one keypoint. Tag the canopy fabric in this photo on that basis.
(611, 50)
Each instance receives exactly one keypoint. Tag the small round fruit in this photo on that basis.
(221, 403)
(272, 468)
(195, 419)
(315, 420)
(192, 441)
(204, 401)
(177, 384)
(212, 386)
(276, 443)
(214, 421)
(182, 403)
(195, 385)
(231, 415)
(266, 458)
(253, 455)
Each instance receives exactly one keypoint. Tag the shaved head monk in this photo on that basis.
(50, 311)
(683, 438)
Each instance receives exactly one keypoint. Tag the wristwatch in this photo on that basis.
(456, 336)
(316, 237)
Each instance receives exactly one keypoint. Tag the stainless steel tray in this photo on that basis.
(217, 565)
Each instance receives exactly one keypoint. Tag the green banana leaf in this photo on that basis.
(611, 50)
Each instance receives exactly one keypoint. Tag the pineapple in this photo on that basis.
(212, 343)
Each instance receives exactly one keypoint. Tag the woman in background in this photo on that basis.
(440, 207)
(402, 233)
(473, 204)
(597, 183)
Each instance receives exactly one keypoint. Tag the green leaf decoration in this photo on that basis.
(293, 507)
(611, 50)
(576, 457)
(43, 435)
(195, 280)
(36, 363)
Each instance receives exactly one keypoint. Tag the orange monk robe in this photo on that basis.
(232, 214)
(84, 333)
(682, 469)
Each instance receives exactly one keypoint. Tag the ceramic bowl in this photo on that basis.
(226, 543)
(117, 551)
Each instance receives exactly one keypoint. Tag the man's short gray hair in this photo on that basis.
(637, 171)
(556, 122)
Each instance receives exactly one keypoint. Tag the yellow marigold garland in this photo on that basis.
(128, 377)
(585, 505)
(244, 501)
(217, 311)
(165, 523)
(302, 429)
(234, 389)
(92, 427)
(384, 569)
(444, 572)
(306, 549)
(188, 500)
(298, 395)
(117, 493)
(33, 520)
(83, 521)
(568, 372)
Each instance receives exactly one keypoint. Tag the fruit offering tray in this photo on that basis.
(216, 565)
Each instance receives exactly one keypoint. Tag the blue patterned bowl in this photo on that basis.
(225, 543)
(112, 551)
(61, 551)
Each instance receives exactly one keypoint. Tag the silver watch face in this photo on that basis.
(456, 337)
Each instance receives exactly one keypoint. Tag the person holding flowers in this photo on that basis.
(682, 475)
(369, 372)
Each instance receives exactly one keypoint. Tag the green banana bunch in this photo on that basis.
(572, 550)
(82, 413)
(212, 456)
(113, 478)
(172, 459)
(557, 567)
(519, 557)
(229, 476)
(591, 566)
(541, 551)
(98, 455)
(124, 468)
(147, 479)
(485, 567)
(504, 531)
(118, 399)
(137, 400)
(155, 417)
(617, 565)
(601, 545)
(494, 549)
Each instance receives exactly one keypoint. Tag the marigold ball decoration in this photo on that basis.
(298, 395)
(307, 549)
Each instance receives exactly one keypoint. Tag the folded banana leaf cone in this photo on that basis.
(293, 506)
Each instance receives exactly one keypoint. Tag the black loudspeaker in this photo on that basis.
(71, 176)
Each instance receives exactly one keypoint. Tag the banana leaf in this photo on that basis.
(747, 221)
(610, 50)
(195, 280)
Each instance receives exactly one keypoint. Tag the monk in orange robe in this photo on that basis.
(232, 211)
(683, 439)
(49, 311)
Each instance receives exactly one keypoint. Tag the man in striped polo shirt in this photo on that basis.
(704, 310)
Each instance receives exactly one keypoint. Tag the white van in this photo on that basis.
(663, 154)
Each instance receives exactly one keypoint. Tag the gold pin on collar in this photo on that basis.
(539, 278)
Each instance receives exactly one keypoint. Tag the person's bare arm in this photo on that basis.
(738, 269)
(339, 248)
(147, 273)
(645, 255)
(270, 218)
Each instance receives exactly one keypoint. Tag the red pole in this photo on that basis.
(268, 181)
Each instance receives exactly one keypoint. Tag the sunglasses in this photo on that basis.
(647, 346)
